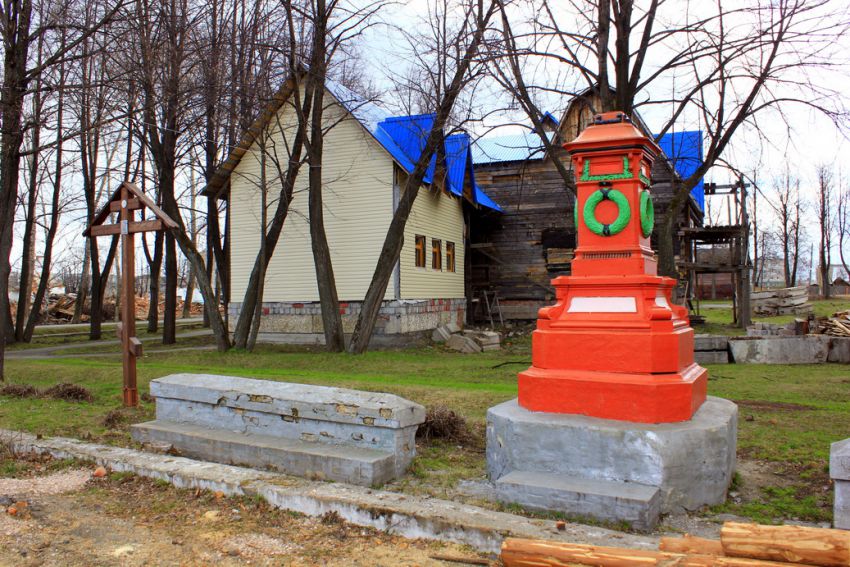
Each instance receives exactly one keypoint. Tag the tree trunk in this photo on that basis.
(331, 319)
(394, 240)
(169, 323)
(15, 82)
(154, 280)
(83, 286)
(28, 255)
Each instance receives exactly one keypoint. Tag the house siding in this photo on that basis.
(434, 215)
(358, 199)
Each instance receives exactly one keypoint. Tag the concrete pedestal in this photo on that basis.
(839, 472)
(611, 470)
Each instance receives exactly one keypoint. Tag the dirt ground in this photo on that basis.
(71, 518)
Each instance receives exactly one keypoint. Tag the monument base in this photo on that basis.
(611, 470)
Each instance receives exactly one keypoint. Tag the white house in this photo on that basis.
(367, 156)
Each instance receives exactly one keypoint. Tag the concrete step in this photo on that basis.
(319, 461)
(637, 504)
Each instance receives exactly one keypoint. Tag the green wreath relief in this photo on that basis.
(624, 212)
(647, 213)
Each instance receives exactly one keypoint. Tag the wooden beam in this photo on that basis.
(133, 227)
(691, 544)
(528, 553)
(167, 221)
(132, 204)
(540, 553)
(809, 546)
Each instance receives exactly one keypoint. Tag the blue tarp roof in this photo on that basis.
(404, 137)
(684, 150)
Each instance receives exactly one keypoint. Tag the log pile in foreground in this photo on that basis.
(740, 545)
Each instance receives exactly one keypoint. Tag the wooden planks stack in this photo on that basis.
(740, 545)
(781, 301)
(837, 326)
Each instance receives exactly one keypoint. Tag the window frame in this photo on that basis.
(437, 254)
(451, 261)
(419, 251)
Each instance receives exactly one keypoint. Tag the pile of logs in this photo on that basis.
(838, 325)
(740, 545)
(782, 301)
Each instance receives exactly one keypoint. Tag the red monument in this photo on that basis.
(614, 345)
(612, 420)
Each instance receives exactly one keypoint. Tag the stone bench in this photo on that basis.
(316, 432)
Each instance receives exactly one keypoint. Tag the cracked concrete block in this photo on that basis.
(441, 334)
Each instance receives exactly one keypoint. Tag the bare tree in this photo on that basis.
(787, 205)
(826, 223)
(20, 31)
(454, 65)
(726, 68)
(54, 206)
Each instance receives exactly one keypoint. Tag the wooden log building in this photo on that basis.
(513, 254)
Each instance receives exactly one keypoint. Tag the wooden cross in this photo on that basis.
(125, 201)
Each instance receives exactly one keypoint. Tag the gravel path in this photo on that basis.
(56, 483)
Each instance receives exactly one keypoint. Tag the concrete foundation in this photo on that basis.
(839, 472)
(611, 470)
(396, 317)
(317, 432)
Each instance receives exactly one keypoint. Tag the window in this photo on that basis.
(450, 256)
(420, 251)
(436, 254)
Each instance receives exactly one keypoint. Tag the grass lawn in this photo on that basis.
(788, 414)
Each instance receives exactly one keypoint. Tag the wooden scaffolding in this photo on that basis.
(722, 249)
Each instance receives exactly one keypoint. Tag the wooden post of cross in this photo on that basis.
(125, 201)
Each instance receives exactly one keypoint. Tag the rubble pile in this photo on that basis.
(61, 307)
(468, 340)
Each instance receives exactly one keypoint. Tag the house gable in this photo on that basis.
(358, 196)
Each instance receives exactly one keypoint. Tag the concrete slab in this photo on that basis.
(637, 504)
(463, 344)
(841, 509)
(441, 334)
(839, 460)
(809, 349)
(296, 400)
(839, 350)
(401, 514)
(337, 434)
(692, 462)
(710, 342)
(340, 463)
(711, 357)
